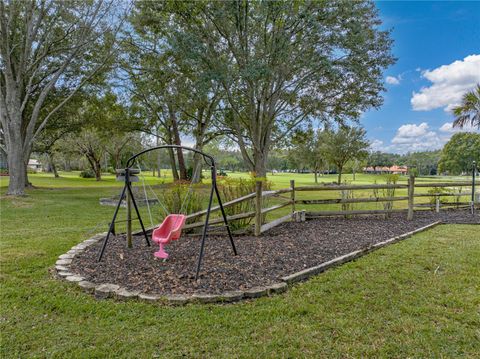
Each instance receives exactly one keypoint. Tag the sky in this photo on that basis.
(437, 44)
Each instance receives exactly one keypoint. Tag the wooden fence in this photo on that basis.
(288, 199)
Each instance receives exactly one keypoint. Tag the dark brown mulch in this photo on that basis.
(263, 260)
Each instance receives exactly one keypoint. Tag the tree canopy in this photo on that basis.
(279, 63)
(459, 153)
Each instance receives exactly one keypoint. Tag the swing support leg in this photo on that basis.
(207, 217)
(225, 220)
(111, 229)
(132, 197)
(204, 233)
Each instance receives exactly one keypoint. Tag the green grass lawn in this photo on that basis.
(418, 298)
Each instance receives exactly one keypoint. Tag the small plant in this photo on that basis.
(87, 174)
(232, 188)
(458, 197)
(347, 194)
(181, 198)
(435, 192)
(390, 179)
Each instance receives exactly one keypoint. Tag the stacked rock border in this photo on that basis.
(109, 290)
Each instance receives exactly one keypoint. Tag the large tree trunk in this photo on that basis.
(51, 164)
(260, 162)
(178, 142)
(198, 158)
(158, 158)
(17, 169)
(173, 163)
(181, 159)
(95, 166)
(340, 175)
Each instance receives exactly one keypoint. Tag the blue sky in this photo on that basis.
(437, 44)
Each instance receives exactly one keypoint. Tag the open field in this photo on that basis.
(108, 187)
(418, 298)
(279, 180)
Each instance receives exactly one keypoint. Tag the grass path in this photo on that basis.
(418, 298)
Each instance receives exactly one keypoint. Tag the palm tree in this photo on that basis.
(469, 110)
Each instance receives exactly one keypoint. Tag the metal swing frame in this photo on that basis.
(210, 161)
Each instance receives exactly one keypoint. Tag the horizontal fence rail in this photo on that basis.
(351, 212)
(349, 187)
(260, 213)
(350, 200)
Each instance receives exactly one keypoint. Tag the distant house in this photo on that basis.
(35, 165)
(3, 160)
(401, 170)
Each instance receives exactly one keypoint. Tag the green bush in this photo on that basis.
(181, 198)
(87, 174)
(347, 194)
(233, 188)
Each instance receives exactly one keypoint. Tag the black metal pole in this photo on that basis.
(112, 223)
(204, 234)
(474, 170)
(138, 213)
(225, 220)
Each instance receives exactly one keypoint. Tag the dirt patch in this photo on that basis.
(263, 260)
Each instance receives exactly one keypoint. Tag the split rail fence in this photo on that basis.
(288, 197)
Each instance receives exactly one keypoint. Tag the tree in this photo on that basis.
(107, 127)
(279, 63)
(177, 94)
(459, 153)
(345, 144)
(306, 150)
(379, 159)
(46, 45)
(425, 162)
(66, 120)
(469, 110)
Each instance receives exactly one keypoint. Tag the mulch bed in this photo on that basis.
(284, 250)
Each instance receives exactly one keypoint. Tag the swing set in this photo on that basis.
(171, 227)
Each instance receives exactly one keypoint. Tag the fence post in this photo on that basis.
(258, 208)
(411, 191)
(292, 186)
(473, 186)
(437, 204)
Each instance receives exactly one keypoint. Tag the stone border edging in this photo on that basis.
(109, 290)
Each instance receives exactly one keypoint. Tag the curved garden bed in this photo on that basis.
(265, 264)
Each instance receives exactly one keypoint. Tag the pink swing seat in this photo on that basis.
(170, 229)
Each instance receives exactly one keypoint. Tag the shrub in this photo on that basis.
(233, 188)
(346, 195)
(179, 195)
(87, 174)
(389, 192)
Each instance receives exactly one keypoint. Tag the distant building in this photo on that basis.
(3, 160)
(35, 165)
(400, 170)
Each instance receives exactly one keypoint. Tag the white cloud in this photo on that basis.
(414, 138)
(449, 83)
(392, 80)
(406, 132)
(376, 145)
(447, 127)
